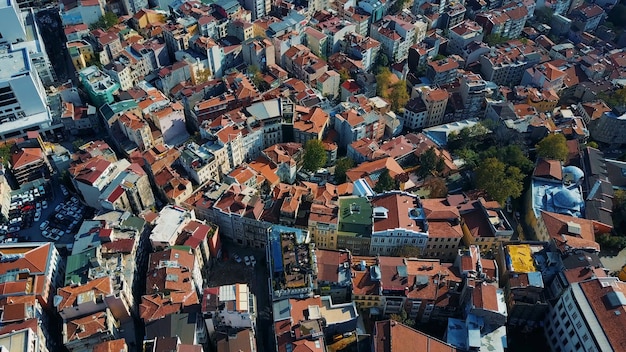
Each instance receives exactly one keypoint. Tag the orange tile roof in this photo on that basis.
(25, 157)
(157, 306)
(118, 345)
(611, 323)
(70, 294)
(390, 335)
(87, 326)
(398, 206)
(549, 168)
(367, 168)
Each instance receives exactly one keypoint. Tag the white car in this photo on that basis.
(237, 258)
(37, 217)
(246, 259)
(44, 204)
(253, 260)
(38, 206)
(43, 225)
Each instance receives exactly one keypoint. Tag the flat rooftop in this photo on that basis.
(167, 224)
(337, 313)
(13, 62)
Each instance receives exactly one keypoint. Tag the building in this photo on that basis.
(436, 101)
(354, 224)
(334, 274)
(91, 177)
(229, 307)
(29, 164)
(586, 316)
(99, 86)
(525, 270)
(291, 259)
(443, 71)
(484, 224)
(303, 323)
(398, 220)
(168, 225)
(129, 191)
(238, 214)
(31, 269)
(86, 332)
(507, 21)
(390, 335)
(395, 36)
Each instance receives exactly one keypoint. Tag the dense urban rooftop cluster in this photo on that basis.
(256, 175)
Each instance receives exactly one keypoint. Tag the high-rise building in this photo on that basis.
(24, 70)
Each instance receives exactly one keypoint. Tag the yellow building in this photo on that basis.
(81, 54)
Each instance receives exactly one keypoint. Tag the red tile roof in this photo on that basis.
(118, 345)
(70, 294)
(25, 157)
(390, 335)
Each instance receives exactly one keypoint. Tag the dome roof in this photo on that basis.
(566, 199)
(576, 173)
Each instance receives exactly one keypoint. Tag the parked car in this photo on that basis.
(44, 204)
(253, 260)
(246, 259)
(44, 225)
(237, 258)
(37, 217)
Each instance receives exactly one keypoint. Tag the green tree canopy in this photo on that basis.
(554, 146)
(382, 61)
(430, 164)
(511, 155)
(343, 164)
(399, 96)
(385, 182)
(108, 20)
(314, 155)
(498, 180)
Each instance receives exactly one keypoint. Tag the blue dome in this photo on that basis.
(573, 174)
(565, 199)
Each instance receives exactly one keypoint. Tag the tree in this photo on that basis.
(430, 163)
(592, 144)
(554, 146)
(383, 79)
(436, 187)
(385, 182)
(5, 153)
(314, 155)
(617, 16)
(402, 318)
(203, 75)
(77, 143)
(399, 96)
(498, 180)
(344, 75)
(108, 20)
(407, 251)
(511, 155)
(495, 39)
(343, 164)
(381, 62)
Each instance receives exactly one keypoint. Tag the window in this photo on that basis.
(585, 337)
(579, 325)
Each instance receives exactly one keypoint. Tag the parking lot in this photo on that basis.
(30, 224)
